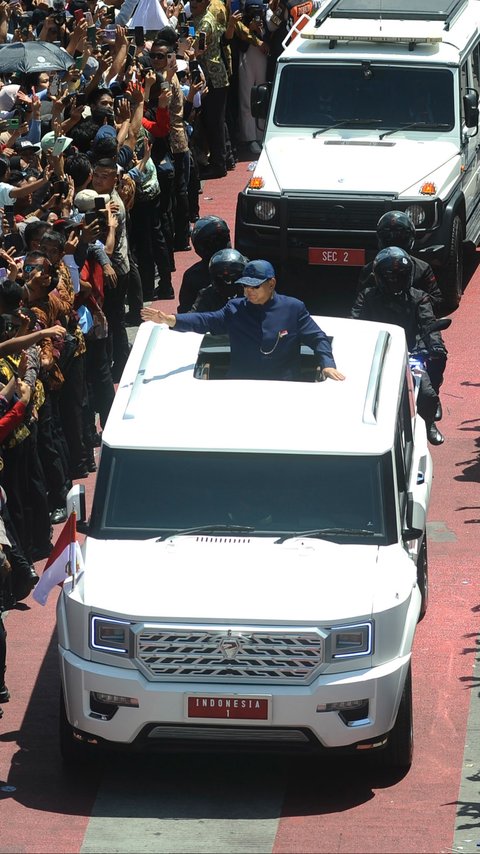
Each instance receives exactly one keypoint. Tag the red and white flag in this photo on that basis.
(64, 561)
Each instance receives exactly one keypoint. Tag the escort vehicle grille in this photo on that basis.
(246, 655)
(335, 214)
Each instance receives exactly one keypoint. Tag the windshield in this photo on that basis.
(149, 493)
(318, 95)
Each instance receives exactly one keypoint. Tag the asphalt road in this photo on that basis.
(262, 804)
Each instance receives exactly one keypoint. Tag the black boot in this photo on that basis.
(433, 434)
(439, 411)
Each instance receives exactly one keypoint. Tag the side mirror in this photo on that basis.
(470, 108)
(76, 502)
(260, 100)
(415, 519)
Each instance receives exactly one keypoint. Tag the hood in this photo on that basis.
(226, 578)
(354, 165)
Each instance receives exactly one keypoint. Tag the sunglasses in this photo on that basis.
(30, 268)
(161, 55)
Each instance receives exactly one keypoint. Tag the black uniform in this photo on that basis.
(194, 280)
(423, 280)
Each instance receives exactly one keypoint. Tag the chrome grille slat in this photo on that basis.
(278, 655)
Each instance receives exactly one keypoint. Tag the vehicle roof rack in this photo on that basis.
(444, 11)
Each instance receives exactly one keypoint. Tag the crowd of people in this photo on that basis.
(105, 139)
(111, 115)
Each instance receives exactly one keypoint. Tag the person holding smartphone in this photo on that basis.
(208, 49)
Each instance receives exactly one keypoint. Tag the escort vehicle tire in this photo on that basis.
(451, 276)
(422, 576)
(399, 750)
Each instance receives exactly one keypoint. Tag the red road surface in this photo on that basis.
(326, 808)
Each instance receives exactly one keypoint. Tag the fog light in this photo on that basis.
(114, 699)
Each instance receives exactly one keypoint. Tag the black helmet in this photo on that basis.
(395, 228)
(393, 270)
(225, 268)
(209, 235)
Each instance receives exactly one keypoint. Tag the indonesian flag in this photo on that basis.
(64, 561)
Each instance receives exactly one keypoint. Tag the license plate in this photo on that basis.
(336, 257)
(232, 708)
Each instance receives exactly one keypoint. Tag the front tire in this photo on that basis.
(399, 750)
(451, 277)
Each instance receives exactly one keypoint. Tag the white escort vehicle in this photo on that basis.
(256, 558)
(374, 107)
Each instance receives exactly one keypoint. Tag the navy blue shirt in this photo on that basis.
(264, 339)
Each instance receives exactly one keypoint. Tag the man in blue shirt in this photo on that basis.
(265, 329)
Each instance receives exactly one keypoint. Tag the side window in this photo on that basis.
(463, 87)
(476, 68)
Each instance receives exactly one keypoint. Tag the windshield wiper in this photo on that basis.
(412, 125)
(319, 532)
(207, 529)
(342, 122)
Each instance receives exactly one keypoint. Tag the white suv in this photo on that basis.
(374, 107)
(256, 558)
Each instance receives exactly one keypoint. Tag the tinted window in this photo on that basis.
(141, 493)
(314, 95)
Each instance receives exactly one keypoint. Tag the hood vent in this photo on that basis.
(374, 142)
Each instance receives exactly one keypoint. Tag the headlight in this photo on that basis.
(416, 214)
(265, 210)
(351, 641)
(109, 635)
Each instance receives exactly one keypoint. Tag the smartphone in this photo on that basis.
(13, 124)
(131, 51)
(79, 15)
(80, 99)
(60, 145)
(54, 86)
(110, 14)
(90, 217)
(3, 273)
(89, 18)
(9, 215)
(13, 241)
(202, 40)
(234, 5)
(92, 35)
(184, 31)
(191, 31)
(139, 36)
(79, 62)
(194, 71)
(182, 17)
(109, 35)
(101, 211)
(61, 187)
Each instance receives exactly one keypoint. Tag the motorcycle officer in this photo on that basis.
(394, 300)
(209, 235)
(224, 269)
(396, 228)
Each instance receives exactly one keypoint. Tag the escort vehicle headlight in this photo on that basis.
(351, 641)
(417, 214)
(265, 210)
(109, 635)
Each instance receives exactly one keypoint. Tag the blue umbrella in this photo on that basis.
(30, 57)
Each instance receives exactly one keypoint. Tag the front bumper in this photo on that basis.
(297, 228)
(161, 718)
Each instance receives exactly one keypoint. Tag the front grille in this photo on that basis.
(242, 654)
(335, 214)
